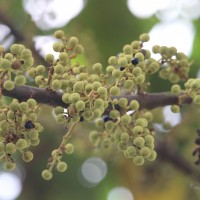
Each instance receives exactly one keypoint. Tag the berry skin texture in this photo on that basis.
(134, 105)
(135, 61)
(21, 143)
(152, 156)
(69, 148)
(10, 166)
(9, 85)
(139, 141)
(47, 175)
(144, 37)
(114, 90)
(10, 148)
(27, 156)
(61, 166)
(175, 89)
(138, 160)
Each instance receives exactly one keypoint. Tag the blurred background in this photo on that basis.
(103, 27)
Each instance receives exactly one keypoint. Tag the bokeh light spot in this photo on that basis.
(10, 186)
(120, 193)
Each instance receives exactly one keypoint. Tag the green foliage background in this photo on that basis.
(103, 28)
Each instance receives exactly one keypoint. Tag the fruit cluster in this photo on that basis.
(19, 130)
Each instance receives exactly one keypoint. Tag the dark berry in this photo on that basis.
(106, 118)
(143, 51)
(135, 61)
(29, 125)
(121, 68)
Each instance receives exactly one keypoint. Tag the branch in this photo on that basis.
(54, 98)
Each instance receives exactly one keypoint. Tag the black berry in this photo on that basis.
(29, 125)
(135, 61)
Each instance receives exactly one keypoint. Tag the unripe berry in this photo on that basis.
(156, 49)
(33, 134)
(145, 152)
(2, 147)
(124, 137)
(137, 71)
(23, 106)
(80, 105)
(69, 148)
(110, 69)
(74, 97)
(102, 91)
(152, 156)
(49, 58)
(57, 46)
(9, 85)
(73, 41)
(135, 44)
(79, 49)
(140, 79)
(114, 90)
(128, 84)
(93, 136)
(127, 49)
(139, 141)
(27, 156)
(141, 122)
(122, 61)
(125, 119)
(137, 130)
(61, 166)
(21, 143)
(114, 114)
(10, 148)
(97, 67)
(175, 108)
(131, 151)
(5, 64)
(149, 139)
(9, 166)
(175, 89)
(134, 105)
(15, 49)
(116, 73)
(26, 53)
(56, 84)
(112, 60)
(47, 175)
(138, 160)
(31, 103)
(144, 37)
(140, 56)
(20, 80)
(123, 102)
(122, 146)
(59, 34)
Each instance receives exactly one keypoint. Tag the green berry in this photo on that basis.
(139, 141)
(124, 137)
(140, 56)
(23, 106)
(149, 139)
(116, 73)
(56, 84)
(59, 34)
(79, 49)
(9, 85)
(175, 89)
(26, 53)
(122, 61)
(69, 148)
(10, 148)
(99, 103)
(97, 67)
(131, 151)
(114, 114)
(156, 49)
(109, 125)
(144, 37)
(148, 116)
(49, 58)
(175, 108)
(57, 47)
(61, 166)
(138, 160)
(2, 147)
(5, 64)
(27, 156)
(20, 80)
(123, 102)
(137, 130)
(80, 105)
(127, 49)
(128, 84)
(74, 97)
(31, 103)
(93, 136)
(9, 166)
(112, 60)
(137, 71)
(73, 41)
(141, 122)
(21, 143)
(134, 105)
(110, 69)
(125, 119)
(145, 152)
(152, 156)
(102, 91)
(140, 79)
(33, 134)
(96, 85)
(47, 175)
(15, 49)
(135, 44)
(114, 91)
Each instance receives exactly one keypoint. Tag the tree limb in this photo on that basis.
(54, 98)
